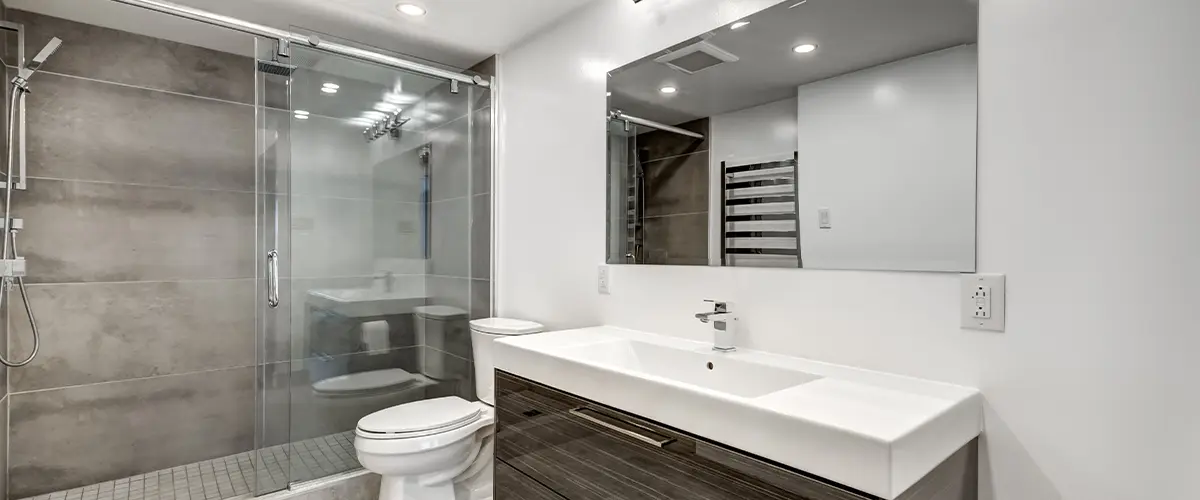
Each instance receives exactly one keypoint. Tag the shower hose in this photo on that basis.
(10, 233)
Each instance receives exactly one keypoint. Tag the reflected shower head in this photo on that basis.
(276, 68)
(41, 57)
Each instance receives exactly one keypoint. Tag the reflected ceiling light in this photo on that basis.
(610, 94)
(804, 48)
(738, 25)
(301, 117)
(374, 115)
(331, 85)
(410, 9)
(386, 107)
(365, 122)
(329, 90)
(668, 90)
(301, 112)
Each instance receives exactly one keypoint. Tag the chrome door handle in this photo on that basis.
(273, 278)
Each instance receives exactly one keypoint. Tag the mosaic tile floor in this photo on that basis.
(227, 477)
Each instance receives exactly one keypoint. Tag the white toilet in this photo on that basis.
(440, 449)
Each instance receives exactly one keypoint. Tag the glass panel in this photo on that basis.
(377, 222)
(273, 145)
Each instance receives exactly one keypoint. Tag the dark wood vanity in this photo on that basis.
(552, 445)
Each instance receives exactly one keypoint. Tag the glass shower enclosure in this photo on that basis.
(364, 214)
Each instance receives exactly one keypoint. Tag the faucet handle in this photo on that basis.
(719, 305)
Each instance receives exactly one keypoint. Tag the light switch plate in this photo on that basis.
(823, 218)
(982, 299)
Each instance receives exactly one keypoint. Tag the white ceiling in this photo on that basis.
(457, 33)
(850, 35)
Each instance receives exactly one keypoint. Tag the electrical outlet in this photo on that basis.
(983, 301)
(823, 218)
(602, 280)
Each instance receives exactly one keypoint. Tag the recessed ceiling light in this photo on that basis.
(668, 90)
(328, 90)
(331, 85)
(804, 48)
(738, 25)
(301, 112)
(410, 9)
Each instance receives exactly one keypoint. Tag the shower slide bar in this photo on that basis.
(285, 37)
(620, 116)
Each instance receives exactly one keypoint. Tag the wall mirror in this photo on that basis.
(821, 134)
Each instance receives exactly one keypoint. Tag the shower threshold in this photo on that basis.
(227, 477)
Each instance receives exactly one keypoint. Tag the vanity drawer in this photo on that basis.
(550, 444)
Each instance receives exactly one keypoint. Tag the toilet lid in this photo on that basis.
(443, 313)
(421, 418)
(505, 326)
(357, 383)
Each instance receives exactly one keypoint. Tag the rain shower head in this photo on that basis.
(41, 57)
(276, 68)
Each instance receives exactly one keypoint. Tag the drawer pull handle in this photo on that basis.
(580, 412)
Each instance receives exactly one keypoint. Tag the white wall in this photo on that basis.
(890, 151)
(1088, 200)
(752, 135)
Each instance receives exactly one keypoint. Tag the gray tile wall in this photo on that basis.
(675, 220)
(140, 238)
(460, 265)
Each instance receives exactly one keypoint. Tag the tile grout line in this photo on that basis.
(216, 190)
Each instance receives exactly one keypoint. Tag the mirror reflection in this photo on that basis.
(824, 134)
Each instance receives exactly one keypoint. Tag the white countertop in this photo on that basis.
(872, 431)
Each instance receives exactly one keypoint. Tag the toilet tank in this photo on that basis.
(483, 333)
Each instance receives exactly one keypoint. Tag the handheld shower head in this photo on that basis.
(41, 57)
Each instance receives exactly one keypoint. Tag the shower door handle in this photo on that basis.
(273, 278)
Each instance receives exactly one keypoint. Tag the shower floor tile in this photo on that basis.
(227, 477)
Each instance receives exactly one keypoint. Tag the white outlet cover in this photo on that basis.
(969, 304)
(602, 280)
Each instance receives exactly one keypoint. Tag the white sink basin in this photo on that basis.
(875, 432)
(700, 368)
(365, 302)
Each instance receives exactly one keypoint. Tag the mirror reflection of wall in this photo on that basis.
(825, 135)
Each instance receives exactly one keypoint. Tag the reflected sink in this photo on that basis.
(365, 302)
(701, 368)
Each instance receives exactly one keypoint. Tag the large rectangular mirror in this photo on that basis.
(821, 134)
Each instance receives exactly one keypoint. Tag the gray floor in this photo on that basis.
(227, 477)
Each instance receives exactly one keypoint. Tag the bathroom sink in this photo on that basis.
(365, 302)
(875, 432)
(700, 368)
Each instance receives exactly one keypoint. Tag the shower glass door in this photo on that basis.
(369, 223)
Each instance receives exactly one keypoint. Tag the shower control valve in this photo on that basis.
(12, 268)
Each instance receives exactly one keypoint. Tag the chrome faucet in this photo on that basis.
(389, 281)
(724, 325)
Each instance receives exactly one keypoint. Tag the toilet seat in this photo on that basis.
(430, 417)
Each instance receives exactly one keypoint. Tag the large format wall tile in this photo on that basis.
(450, 236)
(677, 240)
(481, 236)
(82, 129)
(103, 332)
(677, 185)
(481, 151)
(122, 57)
(71, 437)
(81, 231)
(450, 163)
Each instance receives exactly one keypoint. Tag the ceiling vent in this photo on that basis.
(696, 57)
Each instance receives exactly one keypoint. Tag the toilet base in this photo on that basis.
(409, 488)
